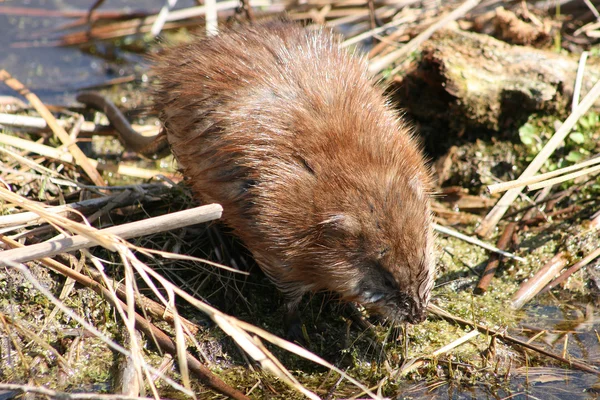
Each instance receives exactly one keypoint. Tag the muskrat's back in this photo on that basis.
(315, 172)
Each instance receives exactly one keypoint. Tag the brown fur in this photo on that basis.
(315, 172)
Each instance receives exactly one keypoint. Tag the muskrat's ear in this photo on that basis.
(338, 225)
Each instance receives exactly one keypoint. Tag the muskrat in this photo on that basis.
(317, 174)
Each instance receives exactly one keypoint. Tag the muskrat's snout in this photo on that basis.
(397, 306)
(417, 314)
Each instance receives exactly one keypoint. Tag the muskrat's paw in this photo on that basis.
(296, 334)
(294, 329)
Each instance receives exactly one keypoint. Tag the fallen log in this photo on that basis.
(464, 80)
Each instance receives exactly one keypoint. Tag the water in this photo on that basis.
(55, 73)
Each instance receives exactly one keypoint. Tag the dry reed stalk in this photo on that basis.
(579, 80)
(475, 241)
(149, 306)
(377, 65)
(34, 337)
(240, 330)
(121, 169)
(144, 25)
(54, 394)
(86, 325)
(31, 218)
(36, 123)
(504, 186)
(78, 155)
(161, 17)
(494, 261)
(541, 278)
(112, 242)
(107, 237)
(571, 270)
(495, 215)
(564, 178)
(411, 365)
(372, 32)
(211, 21)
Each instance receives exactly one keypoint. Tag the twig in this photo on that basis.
(490, 269)
(381, 63)
(78, 155)
(52, 152)
(140, 228)
(119, 29)
(168, 345)
(475, 241)
(496, 214)
(161, 18)
(35, 147)
(504, 186)
(84, 323)
(592, 8)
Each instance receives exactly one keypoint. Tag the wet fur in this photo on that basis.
(316, 173)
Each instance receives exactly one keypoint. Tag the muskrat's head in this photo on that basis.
(376, 245)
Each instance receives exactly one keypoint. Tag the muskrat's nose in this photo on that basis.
(418, 314)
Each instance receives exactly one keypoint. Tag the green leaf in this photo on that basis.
(574, 156)
(527, 134)
(577, 137)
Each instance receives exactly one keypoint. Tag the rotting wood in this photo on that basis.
(469, 80)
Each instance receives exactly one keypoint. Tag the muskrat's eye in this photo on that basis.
(388, 281)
